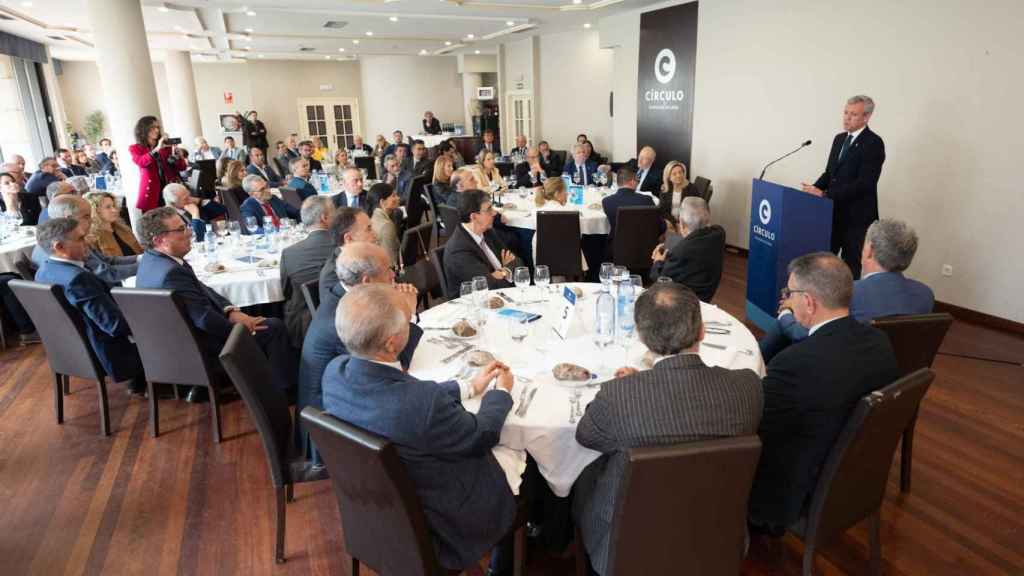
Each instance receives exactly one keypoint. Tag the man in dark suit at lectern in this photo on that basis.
(851, 180)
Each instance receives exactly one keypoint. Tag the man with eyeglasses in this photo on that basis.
(167, 241)
(811, 387)
(473, 248)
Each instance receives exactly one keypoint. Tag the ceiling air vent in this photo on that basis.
(335, 24)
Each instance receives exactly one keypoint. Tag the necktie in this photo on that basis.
(583, 176)
(273, 216)
(353, 202)
(483, 248)
(846, 146)
(643, 174)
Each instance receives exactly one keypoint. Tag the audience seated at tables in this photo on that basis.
(301, 262)
(592, 155)
(626, 195)
(674, 187)
(398, 141)
(10, 189)
(92, 162)
(696, 260)
(396, 176)
(306, 151)
(259, 166)
(234, 172)
(282, 159)
(489, 144)
(16, 168)
(647, 177)
(382, 202)
(404, 158)
(811, 387)
(547, 159)
(461, 180)
(11, 308)
(487, 175)
(55, 189)
(35, 190)
(81, 160)
(67, 164)
(357, 263)
(352, 193)
(889, 248)
(553, 196)
(292, 146)
(441, 179)
(163, 266)
(231, 151)
(530, 173)
(447, 148)
(108, 234)
(178, 197)
(110, 269)
(300, 181)
(520, 148)
(63, 239)
(421, 164)
(349, 225)
(579, 169)
(446, 449)
(262, 203)
(80, 184)
(204, 151)
(680, 399)
(431, 125)
(103, 156)
(473, 249)
(342, 162)
(359, 145)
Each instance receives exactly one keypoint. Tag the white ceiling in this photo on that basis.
(291, 30)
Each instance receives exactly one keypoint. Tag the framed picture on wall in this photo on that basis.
(229, 123)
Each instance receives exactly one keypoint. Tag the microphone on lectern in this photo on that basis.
(786, 155)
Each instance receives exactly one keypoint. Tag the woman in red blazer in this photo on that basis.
(158, 165)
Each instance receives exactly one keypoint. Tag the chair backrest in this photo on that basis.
(852, 482)
(282, 167)
(558, 159)
(206, 184)
(437, 257)
(367, 163)
(250, 371)
(635, 236)
(61, 328)
(231, 204)
(381, 513)
(558, 242)
(311, 294)
(449, 218)
(915, 338)
(415, 204)
(168, 344)
(416, 243)
(702, 186)
(291, 197)
(26, 268)
(504, 168)
(683, 505)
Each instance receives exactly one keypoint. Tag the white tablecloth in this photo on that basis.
(14, 246)
(545, 431)
(592, 218)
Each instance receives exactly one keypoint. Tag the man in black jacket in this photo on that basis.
(301, 262)
(696, 260)
(473, 249)
(812, 386)
(850, 179)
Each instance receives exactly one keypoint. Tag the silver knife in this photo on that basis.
(529, 401)
(710, 345)
(456, 354)
(506, 298)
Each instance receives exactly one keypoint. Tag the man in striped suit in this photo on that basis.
(679, 399)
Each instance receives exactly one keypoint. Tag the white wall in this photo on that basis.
(398, 89)
(82, 92)
(772, 73)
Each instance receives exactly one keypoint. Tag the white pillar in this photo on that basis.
(470, 82)
(181, 85)
(126, 73)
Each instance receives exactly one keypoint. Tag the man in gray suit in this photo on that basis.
(110, 269)
(302, 261)
(680, 399)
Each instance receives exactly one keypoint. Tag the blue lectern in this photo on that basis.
(784, 223)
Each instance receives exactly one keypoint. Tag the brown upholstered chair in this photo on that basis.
(852, 482)
(385, 527)
(915, 339)
(170, 348)
(636, 233)
(250, 371)
(291, 197)
(558, 243)
(683, 505)
(311, 294)
(62, 330)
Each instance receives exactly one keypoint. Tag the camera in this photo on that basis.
(172, 141)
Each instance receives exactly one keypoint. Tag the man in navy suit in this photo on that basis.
(163, 265)
(349, 225)
(647, 177)
(258, 165)
(64, 240)
(110, 269)
(67, 167)
(35, 188)
(581, 170)
(889, 248)
(306, 151)
(177, 196)
(358, 263)
(850, 179)
(261, 203)
(54, 190)
(352, 194)
(300, 178)
(626, 195)
(445, 448)
(398, 140)
(103, 156)
(489, 144)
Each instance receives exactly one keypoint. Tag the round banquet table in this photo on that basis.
(523, 214)
(14, 245)
(243, 283)
(545, 431)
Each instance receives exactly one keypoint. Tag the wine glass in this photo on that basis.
(220, 228)
(480, 290)
(607, 275)
(542, 278)
(234, 229)
(518, 329)
(521, 277)
(16, 218)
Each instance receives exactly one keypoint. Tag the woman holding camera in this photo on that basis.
(158, 165)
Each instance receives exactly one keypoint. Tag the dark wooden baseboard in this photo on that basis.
(960, 313)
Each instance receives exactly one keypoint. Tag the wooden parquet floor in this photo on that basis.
(73, 502)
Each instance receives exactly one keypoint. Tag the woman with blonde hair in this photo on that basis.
(674, 187)
(341, 163)
(553, 196)
(441, 179)
(108, 234)
(487, 175)
(231, 182)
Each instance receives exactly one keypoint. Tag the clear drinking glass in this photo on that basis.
(607, 275)
(521, 277)
(466, 295)
(517, 330)
(637, 282)
(480, 290)
(542, 278)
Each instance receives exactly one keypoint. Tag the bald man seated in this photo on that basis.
(110, 269)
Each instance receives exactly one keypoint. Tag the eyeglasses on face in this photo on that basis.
(785, 293)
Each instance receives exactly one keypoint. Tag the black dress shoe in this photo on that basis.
(198, 395)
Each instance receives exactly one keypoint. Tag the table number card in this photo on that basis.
(568, 311)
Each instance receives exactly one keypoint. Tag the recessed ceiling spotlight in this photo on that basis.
(355, 41)
(509, 23)
(248, 48)
(586, 25)
(577, 1)
(341, 49)
(393, 18)
(447, 43)
(158, 8)
(369, 32)
(423, 52)
(178, 28)
(470, 36)
(327, 57)
(250, 13)
(248, 30)
(476, 52)
(260, 56)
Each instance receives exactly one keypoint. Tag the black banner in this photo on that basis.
(668, 58)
